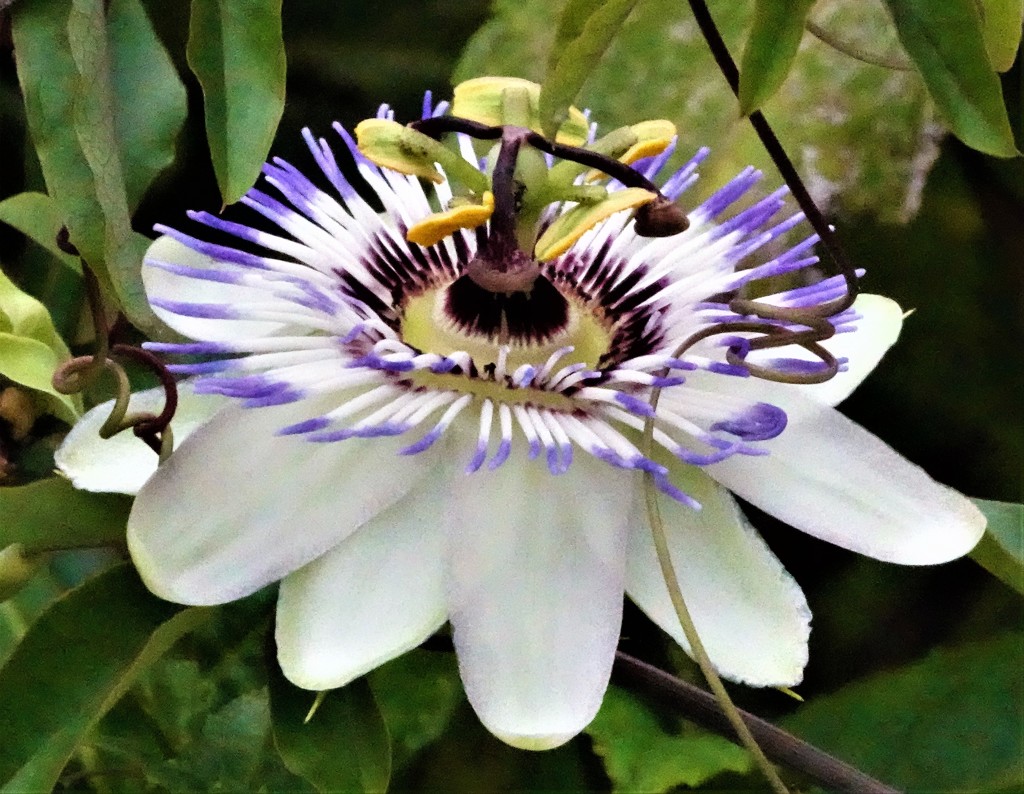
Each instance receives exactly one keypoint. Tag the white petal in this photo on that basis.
(162, 285)
(123, 463)
(751, 616)
(832, 479)
(372, 597)
(864, 347)
(535, 576)
(237, 507)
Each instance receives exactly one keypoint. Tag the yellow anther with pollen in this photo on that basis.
(572, 225)
(481, 99)
(436, 227)
(395, 146)
(652, 138)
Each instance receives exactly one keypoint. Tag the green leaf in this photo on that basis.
(94, 118)
(63, 62)
(37, 216)
(31, 349)
(418, 694)
(148, 95)
(51, 514)
(955, 718)
(228, 752)
(640, 754)
(49, 81)
(343, 747)
(235, 48)
(74, 663)
(585, 30)
(1002, 25)
(858, 157)
(770, 50)
(1001, 550)
(23, 315)
(32, 364)
(946, 43)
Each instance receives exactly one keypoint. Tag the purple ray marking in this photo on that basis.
(739, 345)
(792, 260)
(353, 147)
(759, 422)
(504, 450)
(610, 457)
(443, 366)
(527, 377)
(680, 180)
(307, 426)
(668, 382)
(203, 311)
(222, 253)
(245, 386)
(730, 192)
(664, 485)
(428, 105)
(373, 361)
(653, 165)
(424, 443)
(796, 366)
(381, 430)
(190, 348)
(295, 186)
(706, 458)
(478, 457)
(281, 398)
(634, 404)
(722, 368)
(199, 273)
(239, 230)
(553, 461)
(754, 217)
(647, 465)
(324, 157)
(204, 367)
(268, 206)
(534, 450)
(566, 458)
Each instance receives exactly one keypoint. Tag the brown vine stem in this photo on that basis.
(779, 746)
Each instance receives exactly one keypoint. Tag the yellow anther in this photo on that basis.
(652, 138)
(481, 99)
(436, 227)
(572, 225)
(392, 145)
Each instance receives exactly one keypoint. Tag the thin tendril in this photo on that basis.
(693, 637)
(75, 375)
(771, 143)
(783, 748)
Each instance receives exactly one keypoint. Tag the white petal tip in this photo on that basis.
(534, 741)
(952, 541)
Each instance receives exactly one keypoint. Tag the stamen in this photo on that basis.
(505, 446)
(483, 439)
(439, 429)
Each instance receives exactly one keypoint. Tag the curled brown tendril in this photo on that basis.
(77, 374)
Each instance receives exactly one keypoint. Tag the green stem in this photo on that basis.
(700, 655)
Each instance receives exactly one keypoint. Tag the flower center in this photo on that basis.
(529, 327)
